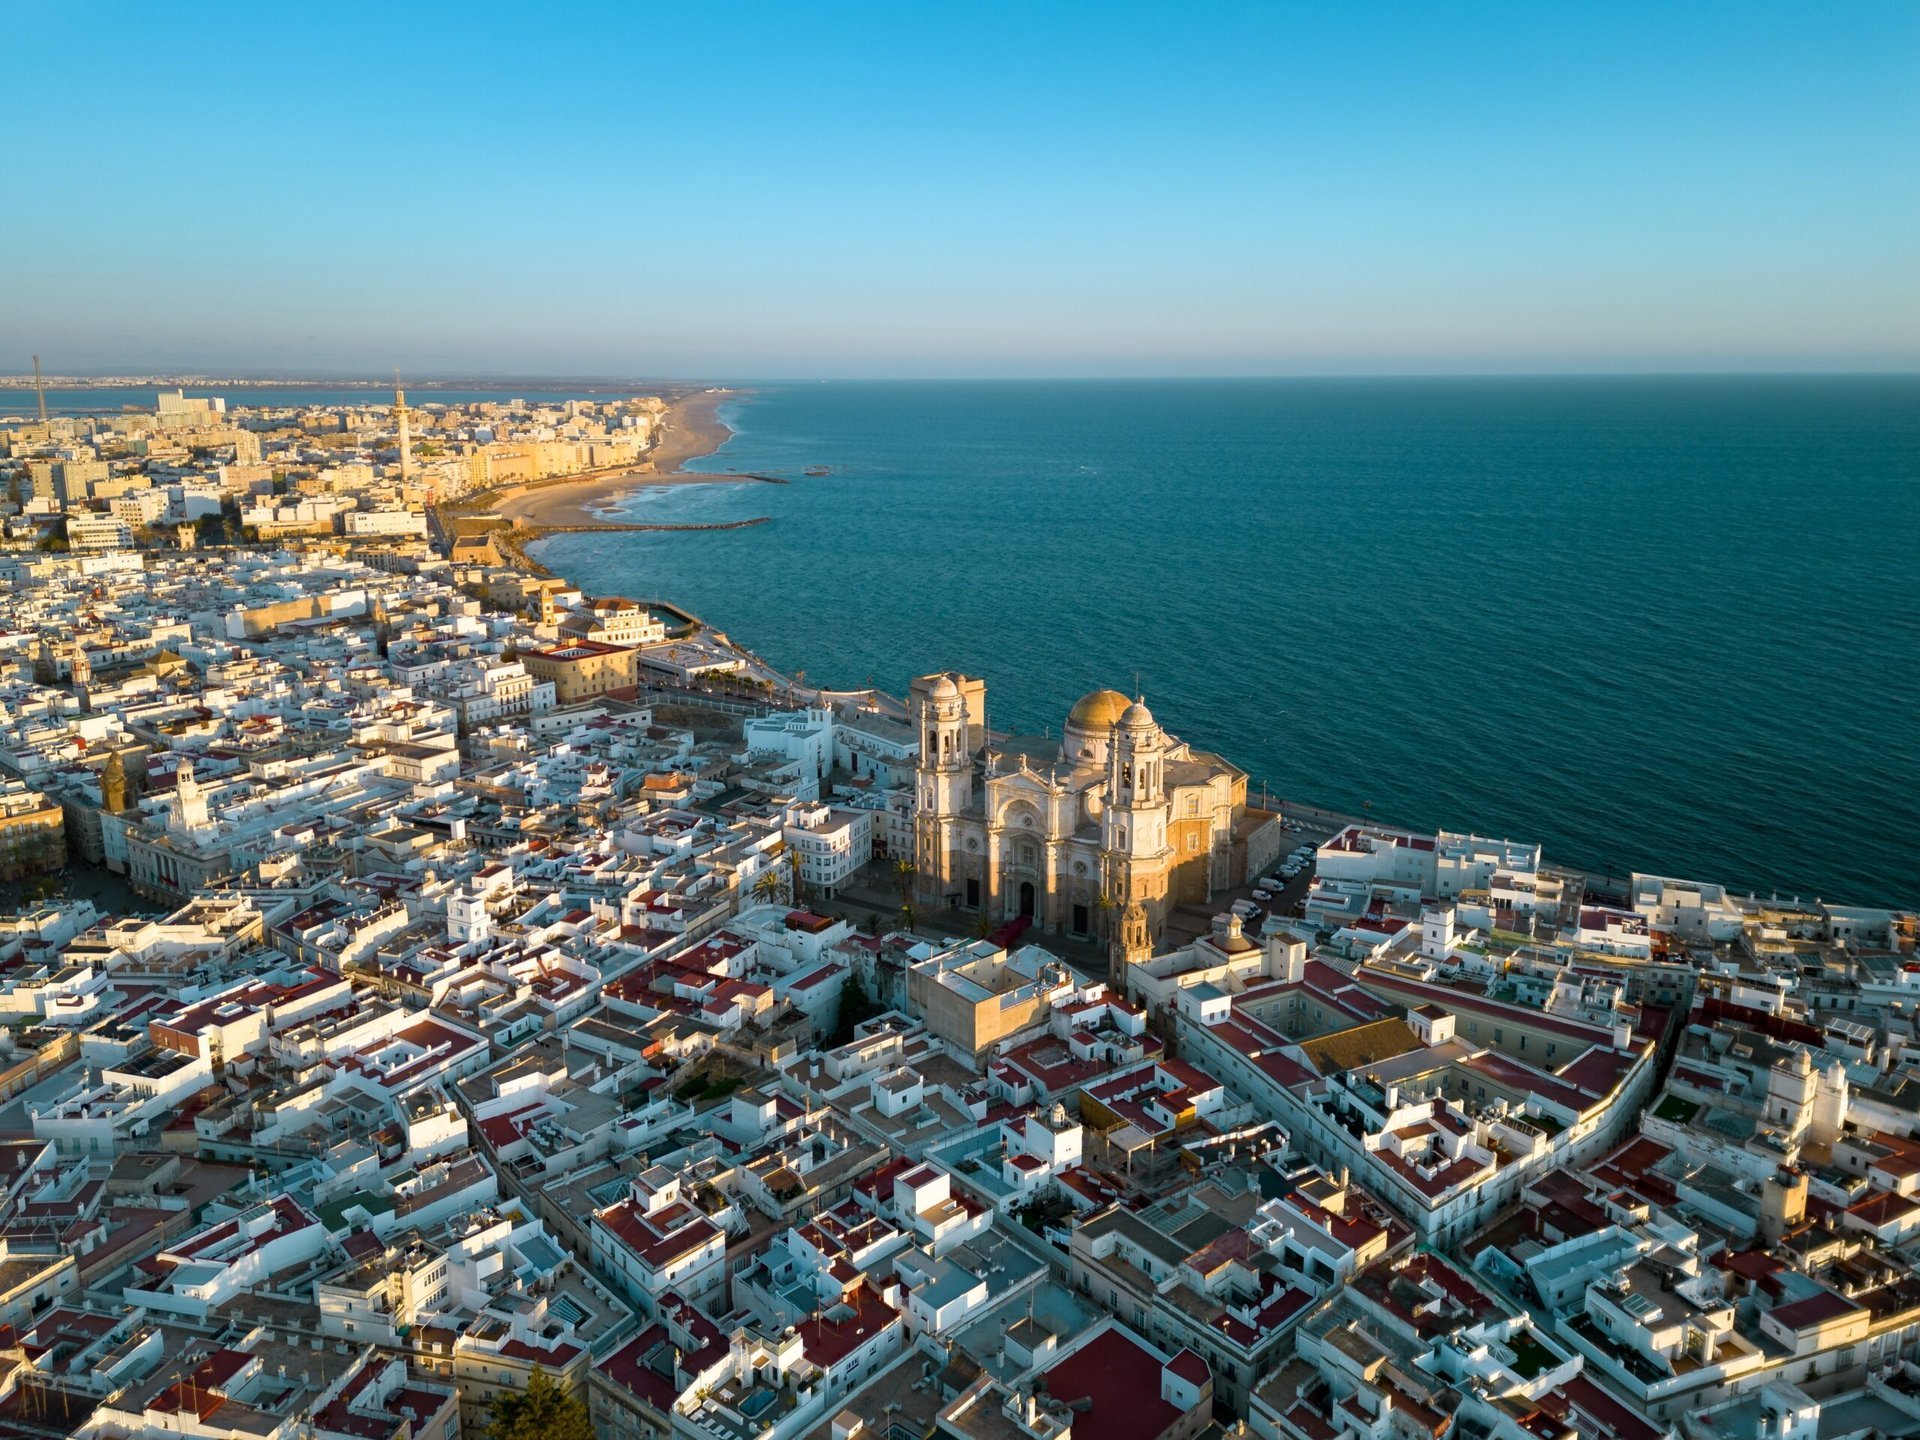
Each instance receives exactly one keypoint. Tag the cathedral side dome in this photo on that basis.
(1137, 717)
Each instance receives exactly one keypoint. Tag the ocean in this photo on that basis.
(1663, 624)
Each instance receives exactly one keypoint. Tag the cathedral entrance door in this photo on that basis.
(1026, 899)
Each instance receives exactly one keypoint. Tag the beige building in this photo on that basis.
(977, 995)
(582, 669)
(1100, 833)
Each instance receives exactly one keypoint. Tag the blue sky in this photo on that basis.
(757, 191)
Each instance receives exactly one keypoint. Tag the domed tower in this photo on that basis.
(943, 781)
(1133, 834)
(113, 784)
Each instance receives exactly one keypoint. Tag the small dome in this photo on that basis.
(1098, 710)
(945, 689)
(1137, 716)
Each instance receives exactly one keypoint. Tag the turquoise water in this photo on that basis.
(1667, 624)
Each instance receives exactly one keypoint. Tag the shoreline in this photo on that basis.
(691, 429)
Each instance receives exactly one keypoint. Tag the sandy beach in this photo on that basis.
(690, 429)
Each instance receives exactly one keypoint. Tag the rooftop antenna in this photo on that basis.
(40, 389)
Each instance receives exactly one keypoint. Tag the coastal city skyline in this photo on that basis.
(861, 722)
(758, 191)
(445, 1000)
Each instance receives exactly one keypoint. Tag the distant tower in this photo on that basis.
(113, 784)
(189, 801)
(943, 781)
(40, 389)
(546, 605)
(400, 424)
(82, 671)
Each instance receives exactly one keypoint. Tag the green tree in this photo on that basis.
(855, 1005)
(768, 887)
(542, 1411)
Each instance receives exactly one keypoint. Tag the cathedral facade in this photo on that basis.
(1099, 834)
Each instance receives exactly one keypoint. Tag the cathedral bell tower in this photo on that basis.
(1134, 819)
(943, 782)
(1133, 838)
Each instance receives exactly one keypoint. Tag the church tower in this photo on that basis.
(82, 676)
(943, 781)
(1133, 835)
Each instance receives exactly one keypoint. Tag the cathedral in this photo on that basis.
(1099, 834)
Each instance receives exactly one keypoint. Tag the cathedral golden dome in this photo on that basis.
(1098, 710)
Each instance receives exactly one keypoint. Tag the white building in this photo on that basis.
(831, 844)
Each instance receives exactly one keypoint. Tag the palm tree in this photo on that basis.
(903, 875)
(909, 915)
(983, 925)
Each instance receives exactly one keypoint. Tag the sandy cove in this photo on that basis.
(691, 428)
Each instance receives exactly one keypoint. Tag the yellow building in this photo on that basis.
(583, 669)
(33, 832)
